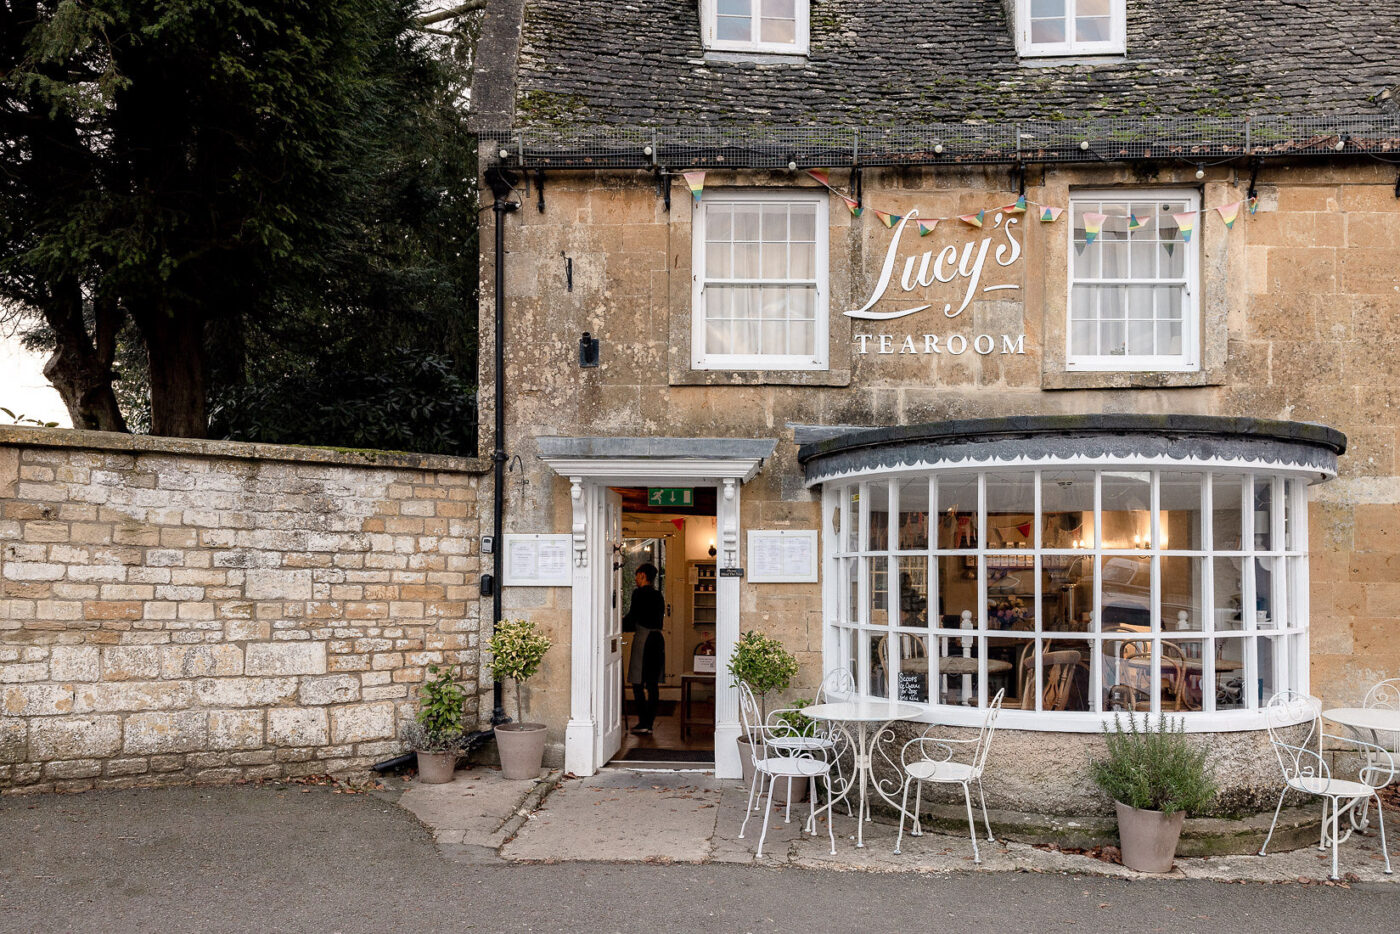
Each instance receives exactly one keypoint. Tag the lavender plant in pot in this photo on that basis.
(436, 733)
(517, 649)
(1155, 775)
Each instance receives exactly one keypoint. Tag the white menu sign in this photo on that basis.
(782, 556)
(538, 561)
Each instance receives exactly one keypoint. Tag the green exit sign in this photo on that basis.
(670, 496)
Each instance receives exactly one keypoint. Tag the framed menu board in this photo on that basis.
(538, 561)
(782, 556)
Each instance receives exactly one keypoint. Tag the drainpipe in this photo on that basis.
(502, 183)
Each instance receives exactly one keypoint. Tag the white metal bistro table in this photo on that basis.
(862, 715)
(1371, 720)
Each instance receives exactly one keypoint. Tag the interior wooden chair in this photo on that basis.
(1057, 669)
(1135, 676)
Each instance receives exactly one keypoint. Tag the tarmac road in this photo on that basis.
(281, 858)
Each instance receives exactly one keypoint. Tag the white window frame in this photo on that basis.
(709, 30)
(820, 358)
(1189, 360)
(1116, 44)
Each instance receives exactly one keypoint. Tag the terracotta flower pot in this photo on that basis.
(436, 768)
(521, 746)
(1148, 838)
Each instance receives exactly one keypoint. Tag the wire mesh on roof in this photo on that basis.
(1111, 140)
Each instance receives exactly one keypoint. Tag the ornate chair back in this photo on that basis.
(984, 736)
(751, 720)
(1385, 695)
(838, 681)
(1295, 727)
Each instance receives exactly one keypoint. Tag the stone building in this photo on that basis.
(1036, 346)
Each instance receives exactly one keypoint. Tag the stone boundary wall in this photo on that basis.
(175, 610)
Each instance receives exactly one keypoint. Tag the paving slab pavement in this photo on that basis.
(628, 816)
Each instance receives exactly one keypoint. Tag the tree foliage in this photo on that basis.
(226, 200)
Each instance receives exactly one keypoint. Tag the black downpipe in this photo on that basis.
(502, 184)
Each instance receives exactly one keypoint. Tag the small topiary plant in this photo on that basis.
(763, 664)
(1154, 769)
(517, 649)
(438, 727)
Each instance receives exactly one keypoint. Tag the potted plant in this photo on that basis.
(1155, 776)
(517, 649)
(765, 666)
(436, 733)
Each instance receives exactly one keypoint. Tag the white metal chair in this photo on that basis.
(772, 762)
(933, 763)
(1385, 695)
(1295, 727)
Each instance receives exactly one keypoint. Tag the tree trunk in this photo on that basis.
(80, 367)
(175, 351)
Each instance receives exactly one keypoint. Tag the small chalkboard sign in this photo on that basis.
(910, 687)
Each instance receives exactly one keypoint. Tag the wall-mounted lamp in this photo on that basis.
(712, 550)
(1200, 171)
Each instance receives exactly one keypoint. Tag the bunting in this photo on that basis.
(1093, 223)
(1134, 222)
(1049, 215)
(1187, 223)
(1018, 208)
(853, 205)
(974, 219)
(821, 175)
(1229, 213)
(1253, 205)
(927, 227)
(885, 217)
(696, 181)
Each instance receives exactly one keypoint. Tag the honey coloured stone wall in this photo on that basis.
(1298, 303)
(209, 611)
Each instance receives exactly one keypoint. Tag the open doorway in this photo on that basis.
(672, 719)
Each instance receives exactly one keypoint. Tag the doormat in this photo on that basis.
(642, 754)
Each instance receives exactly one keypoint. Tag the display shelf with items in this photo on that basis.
(702, 593)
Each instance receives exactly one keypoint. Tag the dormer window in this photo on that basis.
(771, 26)
(1071, 27)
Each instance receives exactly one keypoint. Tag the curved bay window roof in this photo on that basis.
(1085, 564)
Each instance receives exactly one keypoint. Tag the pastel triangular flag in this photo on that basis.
(1133, 221)
(1093, 223)
(1018, 208)
(1169, 247)
(1050, 215)
(821, 175)
(1253, 205)
(1228, 213)
(696, 181)
(926, 227)
(974, 219)
(1187, 222)
(886, 217)
(853, 205)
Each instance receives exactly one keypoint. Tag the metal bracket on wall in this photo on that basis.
(1397, 185)
(1253, 176)
(856, 185)
(663, 187)
(539, 189)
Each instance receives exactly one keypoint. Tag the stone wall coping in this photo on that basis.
(24, 436)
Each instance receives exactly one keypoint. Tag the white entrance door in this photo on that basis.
(610, 663)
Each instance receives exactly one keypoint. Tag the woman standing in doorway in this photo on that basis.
(645, 618)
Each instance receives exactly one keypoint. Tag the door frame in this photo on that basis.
(589, 477)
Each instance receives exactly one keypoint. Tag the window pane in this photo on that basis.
(913, 514)
(1264, 596)
(774, 223)
(1181, 674)
(734, 7)
(913, 591)
(1179, 522)
(774, 264)
(1229, 674)
(1064, 674)
(1127, 674)
(1272, 668)
(803, 220)
(957, 590)
(1047, 31)
(1091, 8)
(1228, 595)
(852, 518)
(1127, 593)
(746, 222)
(1082, 337)
(718, 261)
(745, 261)
(719, 223)
(802, 258)
(1127, 497)
(958, 670)
(912, 684)
(1140, 333)
(1008, 609)
(1226, 505)
(1263, 514)
(879, 568)
(1047, 8)
(1113, 255)
(778, 30)
(780, 9)
(802, 338)
(879, 535)
(853, 589)
(1074, 610)
(1091, 29)
(879, 665)
(957, 504)
(1169, 337)
(734, 29)
(1182, 583)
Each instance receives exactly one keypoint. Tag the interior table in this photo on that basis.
(859, 716)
